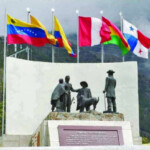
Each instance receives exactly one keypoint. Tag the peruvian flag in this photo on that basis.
(138, 42)
(92, 31)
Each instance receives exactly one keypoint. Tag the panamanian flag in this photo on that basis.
(138, 42)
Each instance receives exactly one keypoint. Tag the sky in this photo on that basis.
(136, 12)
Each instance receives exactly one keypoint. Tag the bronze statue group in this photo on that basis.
(61, 96)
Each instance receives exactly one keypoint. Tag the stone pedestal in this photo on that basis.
(54, 139)
(48, 133)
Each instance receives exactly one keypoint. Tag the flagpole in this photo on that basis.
(4, 73)
(15, 48)
(53, 51)
(78, 50)
(121, 24)
(28, 20)
(102, 46)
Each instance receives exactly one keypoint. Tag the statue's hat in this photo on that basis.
(84, 83)
(110, 71)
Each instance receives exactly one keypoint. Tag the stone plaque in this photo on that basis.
(89, 135)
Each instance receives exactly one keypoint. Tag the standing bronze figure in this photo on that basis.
(110, 86)
(57, 96)
(68, 88)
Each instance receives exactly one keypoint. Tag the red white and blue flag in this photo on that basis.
(138, 42)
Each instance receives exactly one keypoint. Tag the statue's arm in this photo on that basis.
(73, 90)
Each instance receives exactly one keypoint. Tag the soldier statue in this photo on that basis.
(110, 86)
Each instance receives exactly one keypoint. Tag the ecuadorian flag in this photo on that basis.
(19, 32)
(61, 38)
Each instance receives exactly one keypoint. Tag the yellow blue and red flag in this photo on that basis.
(50, 37)
(19, 32)
(61, 38)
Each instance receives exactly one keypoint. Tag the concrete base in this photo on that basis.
(47, 133)
(137, 140)
(82, 148)
(93, 116)
(41, 135)
(53, 129)
(16, 140)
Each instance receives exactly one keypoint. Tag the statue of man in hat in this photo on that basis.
(84, 91)
(110, 86)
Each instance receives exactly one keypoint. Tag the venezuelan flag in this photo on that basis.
(50, 37)
(117, 37)
(19, 32)
(62, 39)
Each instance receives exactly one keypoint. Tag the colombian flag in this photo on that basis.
(62, 39)
(117, 37)
(19, 32)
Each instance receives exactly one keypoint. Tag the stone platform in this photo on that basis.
(93, 115)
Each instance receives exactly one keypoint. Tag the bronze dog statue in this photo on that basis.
(87, 102)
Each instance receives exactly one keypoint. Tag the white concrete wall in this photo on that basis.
(30, 84)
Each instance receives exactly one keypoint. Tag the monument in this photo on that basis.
(48, 128)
